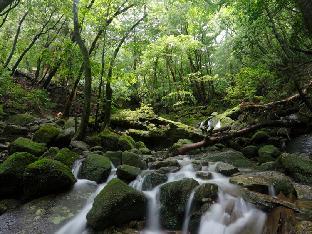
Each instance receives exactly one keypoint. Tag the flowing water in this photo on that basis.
(229, 215)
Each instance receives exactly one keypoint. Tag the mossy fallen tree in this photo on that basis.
(222, 136)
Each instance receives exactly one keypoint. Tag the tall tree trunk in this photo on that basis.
(305, 7)
(82, 130)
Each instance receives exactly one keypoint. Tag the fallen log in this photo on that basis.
(224, 136)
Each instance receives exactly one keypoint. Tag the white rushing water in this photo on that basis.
(229, 215)
(78, 224)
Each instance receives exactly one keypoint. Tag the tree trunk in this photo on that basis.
(305, 7)
(82, 130)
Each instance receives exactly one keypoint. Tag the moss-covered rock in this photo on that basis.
(250, 151)
(230, 156)
(264, 182)
(297, 166)
(226, 169)
(173, 200)
(66, 156)
(46, 176)
(140, 144)
(152, 180)
(46, 134)
(114, 142)
(22, 144)
(96, 168)
(127, 173)
(21, 119)
(165, 163)
(133, 159)
(268, 153)
(114, 156)
(51, 153)
(260, 136)
(64, 137)
(116, 204)
(11, 173)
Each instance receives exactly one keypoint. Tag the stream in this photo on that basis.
(229, 215)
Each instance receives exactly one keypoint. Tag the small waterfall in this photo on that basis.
(78, 224)
(76, 167)
(272, 191)
(188, 213)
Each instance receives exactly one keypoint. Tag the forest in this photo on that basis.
(156, 116)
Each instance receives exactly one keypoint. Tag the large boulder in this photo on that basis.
(66, 156)
(260, 136)
(173, 200)
(46, 134)
(96, 168)
(114, 156)
(152, 180)
(250, 151)
(47, 176)
(297, 166)
(64, 138)
(114, 142)
(116, 204)
(165, 163)
(127, 173)
(268, 153)
(230, 156)
(26, 145)
(133, 159)
(266, 182)
(11, 174)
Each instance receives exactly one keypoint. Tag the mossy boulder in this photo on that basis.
(114, 156)
(11, 173)
(265, 182)
(46, 176)
(116, 204)
(127, 173)
(96, 168)
(268, 153)
(51, 153)
(64, 137)
(21, 119)
(133, 159)
(114, 142)
(22, 144)
(173, 200)
(66, 156)
(297, 166)
(260, 136)
(165, 163)
(230, 156)
(226, 169)
(46, 134)
(250, 151)
(140, 144)
(152, 180)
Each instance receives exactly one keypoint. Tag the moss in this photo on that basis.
(1, 110)
(133, 159)
(127, 173)
(11, 173)
(50, 153)
(126, 142)
(96, 168)
(116, 204)
(250, 151)
(269, 151)
(260, 137)
(22, 144)
(152, 180)
(112, 141)
(46, 133)
(47, 176)
(233, 157)
(139, 144)
(21, 119)
(178, 144)
(297, 166)
(66, 157)
(114, 156)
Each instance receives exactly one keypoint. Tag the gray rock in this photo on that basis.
(226, 169)
(152, 180)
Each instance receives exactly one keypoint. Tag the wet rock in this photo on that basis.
(204, 175)
(152, 180)
(26, 145)
(280, 221)
(262, 182)
(297, 166)
(173, 197)
(250, 151)
(96, 168)
(268, 153)
(46, 176)
(114, 156)
(226, 169)
(79, 146)
(127, 173)
(303, 191)
(166, 163)
(230, 156)
(65, 137)
(113, 142)
(268, 166)
(304, 227)
(116, 204)
(166, 170)
(133, 159)
(46, 134)
(11, 174)
(178, 144)
(96, 148)
(145, 150)
(7, 205)
(197, 165)
(15, 130)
